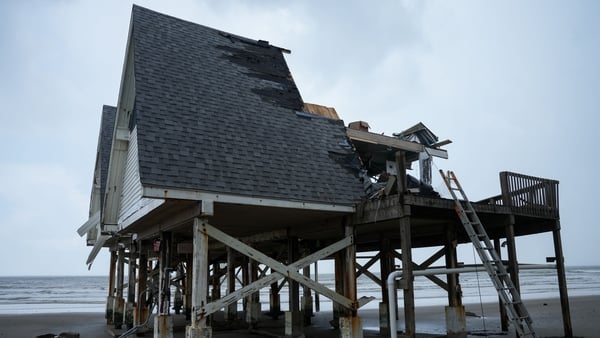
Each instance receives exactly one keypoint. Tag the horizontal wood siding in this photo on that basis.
(132, 186)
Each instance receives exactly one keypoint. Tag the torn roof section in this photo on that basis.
(218, 113)
(418, 133)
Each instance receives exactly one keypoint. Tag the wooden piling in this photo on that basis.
(187, 299)
(110, 299)
(118, 302)
(513, 263)
(408, 278)
(317, 300)
(503, 316)
(455, 311)
(231, 310)
(199, 327)
(131, 282)
(386, 264)
(562, 281)
(307, 308)
(293, 318)
(142, 293)
(454, 293)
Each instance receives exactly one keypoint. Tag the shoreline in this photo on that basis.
(430, 321)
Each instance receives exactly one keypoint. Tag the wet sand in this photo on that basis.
(546, 313)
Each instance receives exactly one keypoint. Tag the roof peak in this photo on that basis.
(259, 42)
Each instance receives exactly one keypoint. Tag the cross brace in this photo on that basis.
(280, 271)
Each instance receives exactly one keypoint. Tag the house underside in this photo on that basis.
(245, 248)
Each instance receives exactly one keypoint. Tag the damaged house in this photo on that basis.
(215, 179)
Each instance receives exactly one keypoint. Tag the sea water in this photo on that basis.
(20, 295)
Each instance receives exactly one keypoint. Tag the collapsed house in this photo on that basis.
(211, 164)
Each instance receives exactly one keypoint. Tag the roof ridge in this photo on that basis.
(226, 34)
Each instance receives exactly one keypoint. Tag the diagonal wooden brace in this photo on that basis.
(281, 271)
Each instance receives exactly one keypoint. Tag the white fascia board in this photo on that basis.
(168, 193)
(441, 153)
(96, 249)
(144, 207)
(92, 222)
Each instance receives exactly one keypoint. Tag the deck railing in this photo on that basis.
(529, 195)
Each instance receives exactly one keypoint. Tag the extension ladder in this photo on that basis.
(515, 309)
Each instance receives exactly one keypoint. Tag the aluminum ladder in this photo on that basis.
(515, 309)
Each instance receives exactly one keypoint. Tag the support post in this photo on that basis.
(198, 327)
(293, 318)
(408, 279)
(513, 264)
(245, 282)
(456, 323)
(131, 281)
(401, 172)
(253, 306)
(274, 300)
(110, 299)
(386, 265)
(188, 287)
(454, 292)
(216, 279)
(317, 300)
(503, 316)
(163, 322)
(231, 309)
(141, 312)
(307, 308)
(339, 288)
(350, 324)
(562, 281)
(119, 302)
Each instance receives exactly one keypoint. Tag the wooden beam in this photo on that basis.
(369, 263)
(393, 142)
(362, 270)
(433, 258)
(273, 235)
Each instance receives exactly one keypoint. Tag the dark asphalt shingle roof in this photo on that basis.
(217, 112)
(107, 125)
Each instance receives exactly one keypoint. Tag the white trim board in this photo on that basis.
(194, 195)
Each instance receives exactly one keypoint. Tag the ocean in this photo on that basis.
(22, 295)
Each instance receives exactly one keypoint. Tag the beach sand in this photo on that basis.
(546, 314)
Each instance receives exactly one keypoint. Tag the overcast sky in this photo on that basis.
(514, 84)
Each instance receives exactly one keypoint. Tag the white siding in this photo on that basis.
(132, 187)
(132, 206)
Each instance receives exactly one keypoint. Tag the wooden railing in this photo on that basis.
(529, 195)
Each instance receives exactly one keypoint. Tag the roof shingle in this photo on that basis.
(217, 112)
